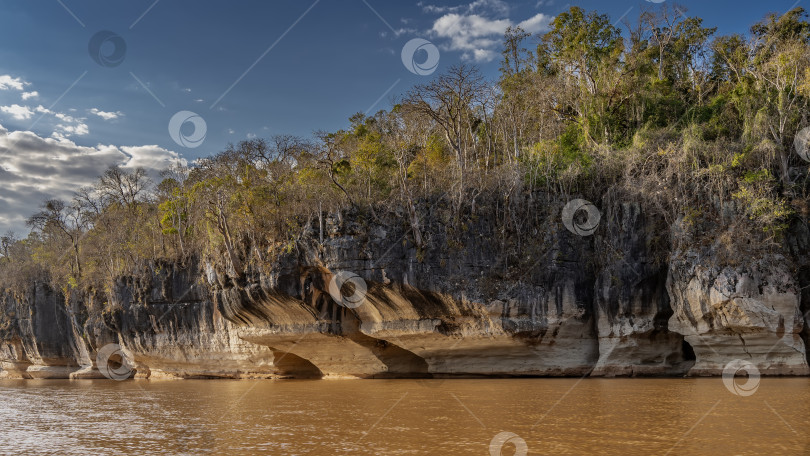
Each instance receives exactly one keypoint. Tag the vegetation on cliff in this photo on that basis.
(697, 127)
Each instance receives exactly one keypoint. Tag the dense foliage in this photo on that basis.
(661, 110)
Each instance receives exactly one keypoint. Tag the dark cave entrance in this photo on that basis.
(688, 351)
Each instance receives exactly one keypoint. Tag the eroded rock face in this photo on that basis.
(464, 304)
(166, 326)
(749, 312)
(38, 338)
(401, 332)
(170, 328)
(633, 304)
(442, 311)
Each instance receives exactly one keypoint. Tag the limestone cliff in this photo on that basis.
(748, 312)
(467, 303)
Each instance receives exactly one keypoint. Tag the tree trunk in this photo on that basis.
(76, 257)
(225, 231)
(660, 63)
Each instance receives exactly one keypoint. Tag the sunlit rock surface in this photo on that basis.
(749, 312)
(170, 328)
(465, 303)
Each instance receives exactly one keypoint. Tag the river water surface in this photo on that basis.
(403, 417)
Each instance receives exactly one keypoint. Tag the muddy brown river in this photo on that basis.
(404, 417)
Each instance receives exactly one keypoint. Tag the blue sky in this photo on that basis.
(66, 117)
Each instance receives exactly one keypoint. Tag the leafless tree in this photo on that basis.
(449, 100)
(67, 219)
(117, 185)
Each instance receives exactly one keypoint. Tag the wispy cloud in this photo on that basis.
(62, 125)
(399, 32)
(498, 7)
(66, 125)
(62, 131)
(105, 114)
(538, 23)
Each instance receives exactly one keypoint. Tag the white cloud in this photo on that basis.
(35, 168)
(106, 115)
(64, 126)
(499, 7)
(474, 35)
(18, 112)
(7, 82)
(230, 131)
(68, 125)
(152, 158)
(477, 29)
(63, 131)
(537, 23)
(399, 32)
(251, 135)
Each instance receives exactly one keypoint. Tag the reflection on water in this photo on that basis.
(397, 417)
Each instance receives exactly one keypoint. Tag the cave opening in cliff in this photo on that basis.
(688, 351)
(293, 366)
